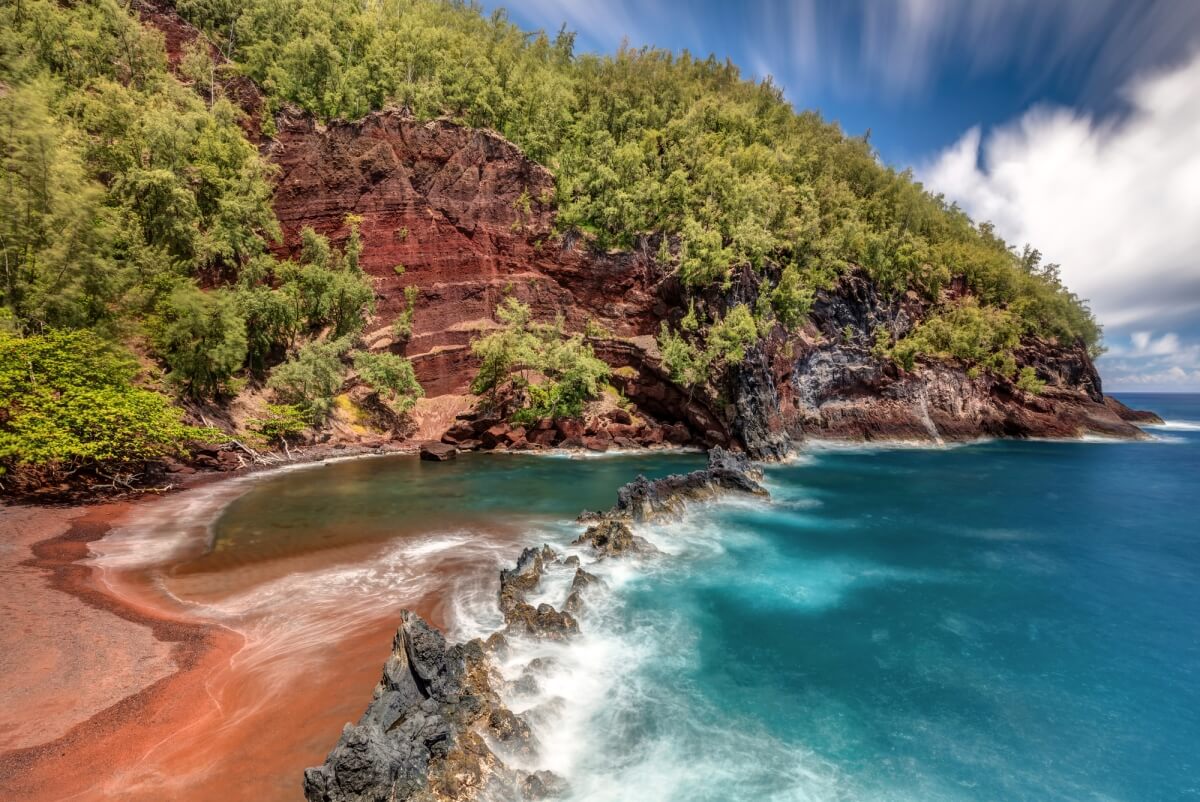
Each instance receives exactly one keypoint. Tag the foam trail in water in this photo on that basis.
(1175, 426)
(604, 708)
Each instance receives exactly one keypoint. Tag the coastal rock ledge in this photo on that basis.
(437, 728)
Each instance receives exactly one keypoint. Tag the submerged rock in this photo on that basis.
(614, 538)
(542, 785)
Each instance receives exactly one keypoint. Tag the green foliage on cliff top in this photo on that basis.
(642, 141)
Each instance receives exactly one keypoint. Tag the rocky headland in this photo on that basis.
(454, 219)
(437, 727)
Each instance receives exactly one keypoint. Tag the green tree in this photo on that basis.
(202, 337)
(312, 378)
(391, 376)
(558, 373)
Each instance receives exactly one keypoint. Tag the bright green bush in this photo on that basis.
(977, 335)
(730, 336)
(791, 299)
(283, 422)
(391, 376)
(67, 403)
(1029, 382)
(568, 370)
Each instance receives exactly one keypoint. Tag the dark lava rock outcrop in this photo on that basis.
(436, 730)
(727, 471)
(416, 734)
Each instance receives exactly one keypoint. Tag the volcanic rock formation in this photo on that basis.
(425, 735)
(464, 217)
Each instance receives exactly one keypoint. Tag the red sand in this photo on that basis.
(105, 696)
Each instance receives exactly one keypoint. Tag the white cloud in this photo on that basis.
(1144, 344)
(1146, 360)
(1115, 201)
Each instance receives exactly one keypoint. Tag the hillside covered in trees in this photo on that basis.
(136, 215)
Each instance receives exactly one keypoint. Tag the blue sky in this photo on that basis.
(1073, 125)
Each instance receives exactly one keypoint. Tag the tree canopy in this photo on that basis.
(646, 141)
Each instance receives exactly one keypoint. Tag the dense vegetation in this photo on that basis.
(134, 211)
(537, 367)
(68, 404)
(646, 141)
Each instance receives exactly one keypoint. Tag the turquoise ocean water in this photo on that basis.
(995, 621)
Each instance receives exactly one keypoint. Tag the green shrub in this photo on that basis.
(403, 325)
(391, 376)
(791, 299)
(729, 337)
(312, 378)
(283, 422)
(1029, 382)
(979, 336)
(685, 363)
(67, 403)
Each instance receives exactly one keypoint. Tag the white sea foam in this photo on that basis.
(818, 445)
(603, 717)
(1174, 426)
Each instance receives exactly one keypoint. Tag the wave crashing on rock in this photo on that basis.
(437, 729)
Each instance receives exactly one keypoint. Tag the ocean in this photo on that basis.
(994, 621)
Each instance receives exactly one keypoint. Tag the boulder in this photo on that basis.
(677, 434)
(619, 416)
(569, 427)
(481, 425)
(595, 444)
(438, 452)
(493, 436)
(543, 437)
(459, 432)
(650, 436)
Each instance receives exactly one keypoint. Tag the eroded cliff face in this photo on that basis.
(469, 219)
(461, 215)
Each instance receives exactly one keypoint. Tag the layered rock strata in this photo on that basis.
(464, 217)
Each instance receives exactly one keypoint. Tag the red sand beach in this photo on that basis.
(112, 688)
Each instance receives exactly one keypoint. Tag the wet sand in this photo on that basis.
(114, 689)
(89, 680)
